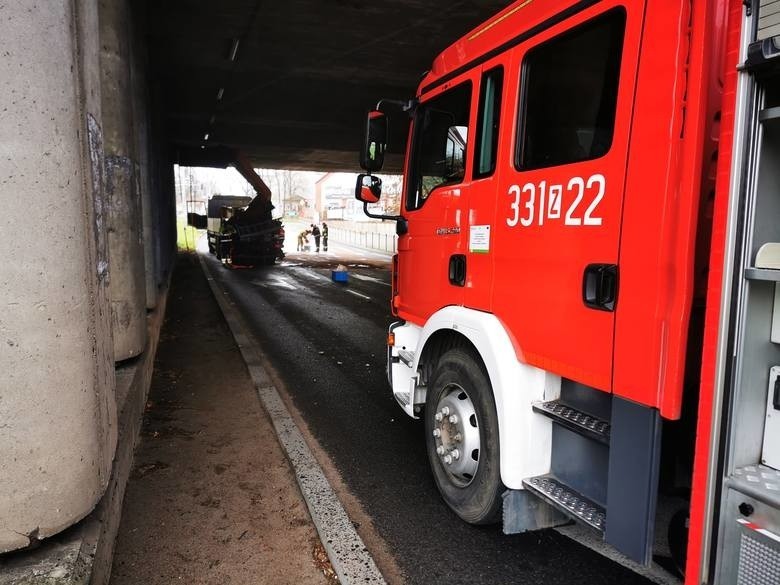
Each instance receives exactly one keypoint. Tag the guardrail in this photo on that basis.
(369, 240)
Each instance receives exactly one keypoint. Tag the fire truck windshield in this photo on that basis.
(440, 140)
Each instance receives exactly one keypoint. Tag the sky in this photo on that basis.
(230, 182)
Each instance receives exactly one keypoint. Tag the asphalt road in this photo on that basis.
(327, 341)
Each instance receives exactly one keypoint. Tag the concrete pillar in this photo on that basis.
(127, 286)
(57, 403)
(164, 190)
(141, 120)
(168, 228)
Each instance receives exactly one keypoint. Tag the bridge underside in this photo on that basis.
(289, 82)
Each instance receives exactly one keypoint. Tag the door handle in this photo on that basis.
(457, 272)
(600, 286)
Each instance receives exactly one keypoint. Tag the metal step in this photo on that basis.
(568, 501)
(407, 357)
(575, 420)
(402, 398)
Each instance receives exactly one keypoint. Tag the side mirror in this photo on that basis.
(372, 157)
(368, 188)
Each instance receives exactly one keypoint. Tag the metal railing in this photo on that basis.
(368, 240)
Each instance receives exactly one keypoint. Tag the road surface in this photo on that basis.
(327, 343)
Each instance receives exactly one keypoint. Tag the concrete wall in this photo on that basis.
(57, 403)
(127, 286)
(82, 139)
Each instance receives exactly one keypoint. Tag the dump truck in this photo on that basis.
(241, 231)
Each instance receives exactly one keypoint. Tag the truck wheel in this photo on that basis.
(461, 429)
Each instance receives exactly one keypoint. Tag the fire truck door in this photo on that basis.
(432, 262)
(487, 113)
(558, 218)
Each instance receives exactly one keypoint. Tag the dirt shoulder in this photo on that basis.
(211, 498)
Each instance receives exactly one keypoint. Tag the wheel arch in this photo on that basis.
(525, 439)
(436, 345)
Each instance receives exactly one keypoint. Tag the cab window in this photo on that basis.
(487, 122)
(441, 138)
(569, 86)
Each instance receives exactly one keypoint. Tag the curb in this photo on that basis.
(347, 552)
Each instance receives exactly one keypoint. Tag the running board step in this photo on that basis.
(407, 357)
(568, 501)
(402, 398)
(575, 420)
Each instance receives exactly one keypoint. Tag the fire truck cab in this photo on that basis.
(588, 251)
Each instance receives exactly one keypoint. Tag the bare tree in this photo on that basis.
(194, 188)
(285, 185)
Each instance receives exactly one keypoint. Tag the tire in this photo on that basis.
(464, 452)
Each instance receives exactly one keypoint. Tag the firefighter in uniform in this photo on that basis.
(315, 231)
(324, 237)
(303, 239)
(226, 244)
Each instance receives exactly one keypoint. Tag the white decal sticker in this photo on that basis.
(479, 239)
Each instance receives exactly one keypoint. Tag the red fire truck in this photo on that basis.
(588, 252)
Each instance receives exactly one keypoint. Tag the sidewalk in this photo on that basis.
(377, 242)
(211, 498)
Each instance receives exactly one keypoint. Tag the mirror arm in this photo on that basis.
(405, 105)
(378, 216)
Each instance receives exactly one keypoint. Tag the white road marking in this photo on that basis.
(357, 294)
(369, 278)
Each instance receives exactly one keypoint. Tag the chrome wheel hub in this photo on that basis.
(456, 434)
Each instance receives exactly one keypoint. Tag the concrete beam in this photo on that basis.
(57, 406)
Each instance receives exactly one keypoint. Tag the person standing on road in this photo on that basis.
(315, 231)
(303, 239)
(324, 237)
